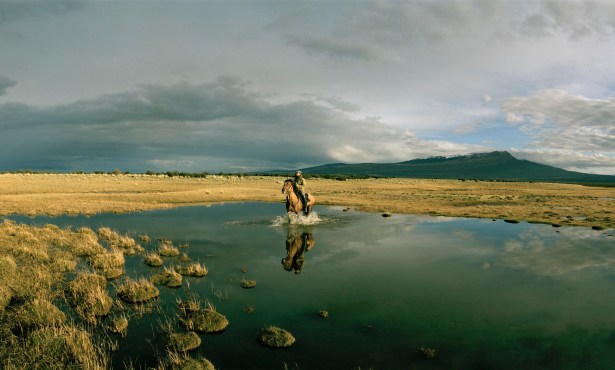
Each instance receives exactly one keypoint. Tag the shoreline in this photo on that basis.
(89, 194)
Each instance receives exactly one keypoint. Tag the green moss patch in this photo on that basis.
(183, 342)
(205, 321)
(188, 363)
(275, 337)
(168, 278)
(247, 284)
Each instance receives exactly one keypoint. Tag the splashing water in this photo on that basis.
(297, 219)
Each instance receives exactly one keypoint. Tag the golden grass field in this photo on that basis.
(559, 204)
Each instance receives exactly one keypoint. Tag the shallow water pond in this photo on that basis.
(483, 294)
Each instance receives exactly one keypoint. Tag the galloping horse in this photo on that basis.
(293, 203)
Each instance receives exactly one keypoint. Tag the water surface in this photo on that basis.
(484, 294)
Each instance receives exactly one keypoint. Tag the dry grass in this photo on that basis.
(168, 278)
(168, 251)
(88, 295)
(137, 291)
(152, 259)
(194, 269)
(55, 194)
(35, 332)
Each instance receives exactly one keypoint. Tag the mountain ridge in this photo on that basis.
(496, 165)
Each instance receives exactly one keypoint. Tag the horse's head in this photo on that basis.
(288, 187)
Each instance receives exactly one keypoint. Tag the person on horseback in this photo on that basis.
(299, 186)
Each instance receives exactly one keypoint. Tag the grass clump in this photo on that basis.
(109, 264)
(168, 278)
(168, 250)
(178, 362)
(184, 258)
(63, 347)
(194, 269)
(5, 297)
(118, 325)
(275, 337)
(88, 295)
(39, 312)
(34, 332)
(144, 238)
(247, 284)
(206, 320)
(152, 259)
(189, 305)
(116, 241)
(183, 342)
(137, 291)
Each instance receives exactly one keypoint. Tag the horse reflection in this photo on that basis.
(296, 246)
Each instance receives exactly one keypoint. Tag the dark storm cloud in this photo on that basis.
(187, 126)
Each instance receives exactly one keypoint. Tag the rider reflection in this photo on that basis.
(296, 246)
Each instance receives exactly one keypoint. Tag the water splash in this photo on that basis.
(297, 219)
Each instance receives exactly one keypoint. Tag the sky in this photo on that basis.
(240, 86)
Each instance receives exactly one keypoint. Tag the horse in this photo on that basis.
(293, 203)
(296, 247)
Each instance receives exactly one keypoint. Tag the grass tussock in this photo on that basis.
(167, 249)
(206, 320)
(194, 269)
(152, 259)
(137, 291)
(61, 347)
(109, 264)
(248, 284)
(35, 330)
(275, 337)
(168, 278)
(183, 342)
(37, 313)
(186, 306)
(88, 294)
(118, 325)
(184, 362)
(184, 258)
(120, 242)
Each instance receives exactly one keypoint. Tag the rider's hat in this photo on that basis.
(298, 171)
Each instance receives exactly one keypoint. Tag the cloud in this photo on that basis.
(540, 252)
(569, 130)
(13, 10)
(218, 125)
(386, 29)
(5, 83)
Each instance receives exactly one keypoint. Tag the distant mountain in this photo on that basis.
(498, 165)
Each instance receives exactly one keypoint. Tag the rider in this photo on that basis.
(299, 186)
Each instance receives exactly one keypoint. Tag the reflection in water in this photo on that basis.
(297, 244)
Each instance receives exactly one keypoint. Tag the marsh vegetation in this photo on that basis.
(549, 203)
(56, 299)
